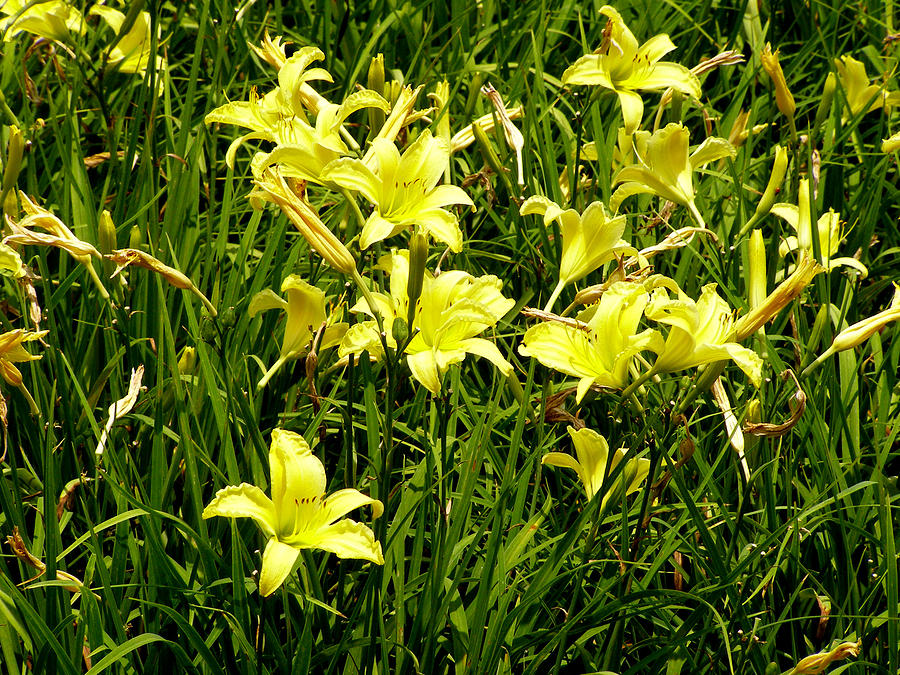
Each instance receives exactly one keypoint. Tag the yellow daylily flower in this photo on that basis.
(307, 129)
(54, 20)
(700, 332)
(451, 311)
(859, 332)
(403, 189)
(828, 230)
(594, 463)
(131, 53)
(298, 515)
(625, 67)
(11, 262)
(861, 96)
(665, 168)
(599, 345)
(125, 257)
(12, 352)
(891, 144)
(305, 309)
(588, 240)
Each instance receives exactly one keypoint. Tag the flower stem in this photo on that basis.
(554, 295)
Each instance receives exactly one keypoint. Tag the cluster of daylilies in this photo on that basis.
(621, 333)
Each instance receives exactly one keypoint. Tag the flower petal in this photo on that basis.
(277, 563)
(347, 539)
(632, 109)
(244, 501)
(342, 502)
(424, 369)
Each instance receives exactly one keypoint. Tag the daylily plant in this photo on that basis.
(594, 464)
(305, 309)
(624, 66)
(861, 96)
(12, 352)
(665, 167)
(298, 515)
(828, 230)
(403, 189)
(588, 240)
(700, 331)
(598, 346)
(131, 53)
(451, 311)
(54, 20)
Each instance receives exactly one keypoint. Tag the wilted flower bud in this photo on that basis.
(783, 97)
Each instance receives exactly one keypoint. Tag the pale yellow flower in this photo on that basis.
(298, 515)
(861, 96)
(54, 20)
(305, 314)
(624, 66)
(452, 310)
(593, 464)
(588, 240)
(599, 346)
(665, 166)
(700, 332)
(403, 189)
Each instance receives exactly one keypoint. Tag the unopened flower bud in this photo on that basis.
(187, 363)
(106, 237)
(375, 82)
(400, 331)
(13, 160)
(824, 108)
(418, 256)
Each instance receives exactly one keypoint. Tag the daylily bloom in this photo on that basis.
(594, 464)
(588, 240)
(404, 190)
(54, 20)
(131, 54)
(700, 332)
(861, 96)
(298, 515)
(306, 128)
(599, 345)
(305, 309)
(891, 144)
(828, 230)
(665, 168)
(451, 311)
(12, 352)
(625, 67)
(861, 331)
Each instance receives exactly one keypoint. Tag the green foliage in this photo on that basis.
(494, 563)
